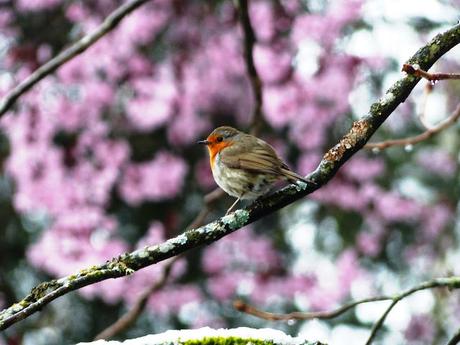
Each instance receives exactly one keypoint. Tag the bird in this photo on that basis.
(245, 166)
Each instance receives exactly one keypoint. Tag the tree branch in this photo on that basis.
(451, 282)
(433, 77)
(352, 142)
(418, 138)
(248, 309)
(75, 49)
(256, 83)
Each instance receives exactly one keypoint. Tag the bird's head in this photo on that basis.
(219, 139)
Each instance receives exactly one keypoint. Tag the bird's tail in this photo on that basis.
(293, 177)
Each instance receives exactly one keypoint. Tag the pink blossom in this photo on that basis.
(170, 301)
(262, 19)
(308, 162)
(369, 243)
(141, 26)
(370, 239)
(434, 220)
(272, 65)
(316, 27)
(393, 208)
(348, 270)
(346, 11)
(240, 249)
(159, 179)
(5, 19)
(154, 102)
(80, 238)
(36, 5)
(420, 330)
(344, 195)
(224, 286)
(437, 161)
(281, 104)
(76, 12)
(203, 174)
(361, 168)
(284, 288)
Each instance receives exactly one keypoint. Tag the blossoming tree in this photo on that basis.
(99, 159)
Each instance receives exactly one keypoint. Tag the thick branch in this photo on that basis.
(77, 48)
(418, 138)
(256, 83)
(353, 141)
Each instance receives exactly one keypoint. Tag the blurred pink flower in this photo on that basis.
(308, 162)
(262, 20)
(172, 299)
(37, 5)
(272, 65)
(437, 161)
(153, 103)
(203, 174)
(224, 286)
(369, 243)
(241, 250)
(159, 179)
(348, 271)
(420, 330)
(361, 168)
(393, 207)
(370, 239)
(281, 104)
(344, 195)
(434, 220)
(282, 288)
(80, 238)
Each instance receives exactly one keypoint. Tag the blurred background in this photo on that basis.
(100, 158)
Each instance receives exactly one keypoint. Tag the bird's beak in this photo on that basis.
(203, 142)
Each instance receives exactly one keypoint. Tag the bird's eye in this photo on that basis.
(219, 139)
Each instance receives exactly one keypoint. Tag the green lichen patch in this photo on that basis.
(236, 220)
(227, 341)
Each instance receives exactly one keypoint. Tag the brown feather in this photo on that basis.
(259, 157)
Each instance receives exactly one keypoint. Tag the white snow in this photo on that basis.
(178, 336)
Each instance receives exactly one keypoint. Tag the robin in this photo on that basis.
(243, 165)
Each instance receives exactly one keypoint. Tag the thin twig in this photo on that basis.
(75, 49)
(256, 83)
(432, 77)
(418, 138)
(248, 309)
(126, 320)
(450, 282)
(455, 338)
(350, 143)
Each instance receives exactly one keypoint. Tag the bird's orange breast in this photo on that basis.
(215, 148)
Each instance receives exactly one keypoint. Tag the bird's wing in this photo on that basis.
(258, 160)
